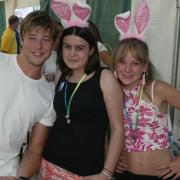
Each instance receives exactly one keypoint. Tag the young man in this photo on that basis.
(26, 98)
(8, 40)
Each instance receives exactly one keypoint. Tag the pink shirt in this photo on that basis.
(152, 125)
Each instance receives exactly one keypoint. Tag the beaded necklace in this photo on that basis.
(68, 105)
(133, 126)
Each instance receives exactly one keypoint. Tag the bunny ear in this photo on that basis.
(81, 10)
(61, 9)
(142, 16)
(122, 22)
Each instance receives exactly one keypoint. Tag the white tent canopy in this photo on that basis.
(11, 5)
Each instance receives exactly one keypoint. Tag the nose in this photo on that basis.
(127, 68)
(38, 44)
(72, 52)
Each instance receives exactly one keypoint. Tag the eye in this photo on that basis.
(31, 37)
(137, 63)
(46, 39)
(66, 46)
(79, 48)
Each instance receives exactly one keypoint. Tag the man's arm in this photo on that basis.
(31, 160)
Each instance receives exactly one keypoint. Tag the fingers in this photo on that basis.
(122, 166)
(176, 176)
(169, 174)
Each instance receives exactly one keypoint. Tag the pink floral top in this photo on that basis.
(152, 128)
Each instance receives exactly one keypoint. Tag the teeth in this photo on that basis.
(38, 54)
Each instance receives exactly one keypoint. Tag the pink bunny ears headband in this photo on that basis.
(141, 19)
(75, 14)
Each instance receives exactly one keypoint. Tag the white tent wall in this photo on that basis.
(160, 37)
(11, 5)
(177, 65)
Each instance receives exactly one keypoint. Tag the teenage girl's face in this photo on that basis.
(129, 71)
(76, 52)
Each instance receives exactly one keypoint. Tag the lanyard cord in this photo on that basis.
(138, 112)
(72, 95)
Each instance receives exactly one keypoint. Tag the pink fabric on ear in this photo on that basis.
(61, 9)
(75, 22)
(83, 11)
(122, 22)
(142, 16)
(131, 35)
(141, 19)
(71, 14)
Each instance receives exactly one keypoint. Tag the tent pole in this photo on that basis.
(176, 55)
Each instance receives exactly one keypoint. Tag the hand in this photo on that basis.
(171, 169)
(99, 176)
(122, 164)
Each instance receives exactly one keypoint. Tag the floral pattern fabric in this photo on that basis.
(151, 132)
(49, 171)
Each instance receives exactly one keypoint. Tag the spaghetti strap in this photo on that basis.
(152, 91)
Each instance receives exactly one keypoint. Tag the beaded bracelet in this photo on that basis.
(109, 176)
(110, 172)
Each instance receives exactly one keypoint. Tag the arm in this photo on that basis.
(112, 94)
(165, 93)
(32, 158)
(113, 98)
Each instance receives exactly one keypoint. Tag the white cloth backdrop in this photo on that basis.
(11, 5)
(160, 38)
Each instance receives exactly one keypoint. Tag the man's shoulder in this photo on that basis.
(47, 88)
(4, 57)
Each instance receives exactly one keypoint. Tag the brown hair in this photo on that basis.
(13, 19)
(84, 33)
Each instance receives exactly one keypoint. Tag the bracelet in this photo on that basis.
(109, 177)
(110, 172)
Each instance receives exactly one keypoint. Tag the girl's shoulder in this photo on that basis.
(157, 85)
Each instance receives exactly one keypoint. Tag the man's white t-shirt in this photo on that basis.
(23, 103)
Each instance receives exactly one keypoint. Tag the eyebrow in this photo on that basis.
(82, 45)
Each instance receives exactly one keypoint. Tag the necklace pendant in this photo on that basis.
(67, 119)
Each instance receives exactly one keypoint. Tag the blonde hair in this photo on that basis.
(138, 49)
(38, 19)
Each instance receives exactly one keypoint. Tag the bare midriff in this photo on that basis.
(148, 162)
